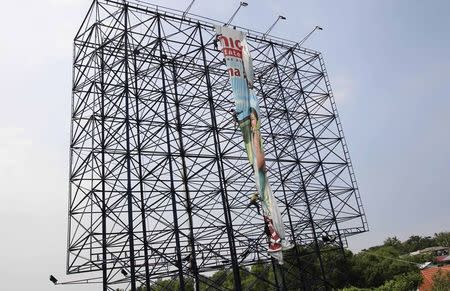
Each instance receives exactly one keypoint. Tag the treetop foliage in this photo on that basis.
(385, 267)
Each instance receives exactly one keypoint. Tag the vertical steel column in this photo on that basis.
(141, 188)
(71, 151)
(69, 205)
(318, 153)
(298, 163)
(275, 273)
(102, 88)
(278, 272)
(169, 156)
(218, 157)
(291, 226)
(128, 157)
(283, 278)
(184, 177)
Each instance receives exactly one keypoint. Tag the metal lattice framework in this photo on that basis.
(159, 179)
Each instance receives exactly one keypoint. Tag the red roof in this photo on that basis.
(428, 275)
(442, 259)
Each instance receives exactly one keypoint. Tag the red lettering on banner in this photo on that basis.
(224, 41)
(238, 44)
(228, 52)
(234, 72)
(231, 48)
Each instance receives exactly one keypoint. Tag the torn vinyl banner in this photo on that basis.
(240, 69)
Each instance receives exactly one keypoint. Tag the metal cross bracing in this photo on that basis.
(159, 178)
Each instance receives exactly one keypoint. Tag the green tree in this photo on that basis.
(441, 281)
(259, 277)
(416, 242)
(442, 239)
(380, 268)
(419, 259)
(355, 289)
(171, 284)
(307, 261)
(223, 278)
(404, 282)
(337, 266)
(372, 268)
(393, 242)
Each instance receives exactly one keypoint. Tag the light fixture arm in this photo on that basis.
(273, 25)
(188, 8)
(242, 4)
(308, 35)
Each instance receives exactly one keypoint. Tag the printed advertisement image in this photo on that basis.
(247, 114)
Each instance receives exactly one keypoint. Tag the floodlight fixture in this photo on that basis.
(125, 273)
(53, 279)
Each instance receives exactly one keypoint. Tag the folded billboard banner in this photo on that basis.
(247, 113)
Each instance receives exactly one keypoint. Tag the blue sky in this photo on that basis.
(388, 63)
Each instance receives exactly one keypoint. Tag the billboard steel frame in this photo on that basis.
(159, 179)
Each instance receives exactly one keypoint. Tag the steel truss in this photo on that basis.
(159, 179)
